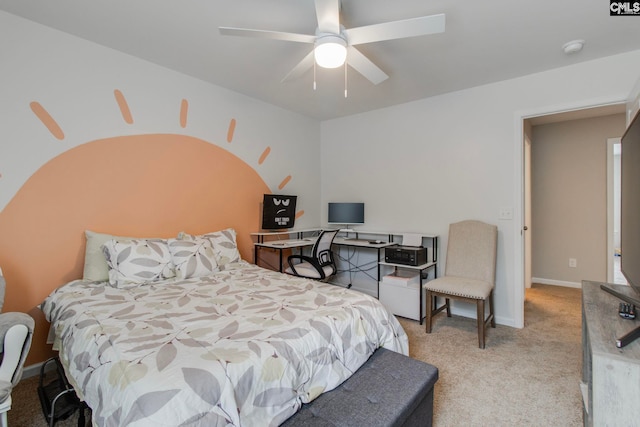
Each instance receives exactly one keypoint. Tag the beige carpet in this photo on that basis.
(524, 377)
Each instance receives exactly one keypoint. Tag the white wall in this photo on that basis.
(425, 164)
(633, 102)
(74, 80)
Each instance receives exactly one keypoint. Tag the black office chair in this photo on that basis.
(320, 265)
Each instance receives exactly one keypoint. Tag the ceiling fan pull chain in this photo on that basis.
(314, 75)
(345, 79)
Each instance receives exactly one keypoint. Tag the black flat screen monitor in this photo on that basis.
(630, 205)
(346, 213)
(278, 211)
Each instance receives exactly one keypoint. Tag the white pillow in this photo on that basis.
(223, 242)
(137, 261)
(95, 264)
(192, 258)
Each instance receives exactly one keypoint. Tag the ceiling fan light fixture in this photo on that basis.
(330, 51)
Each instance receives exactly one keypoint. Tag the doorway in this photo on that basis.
(528, 232)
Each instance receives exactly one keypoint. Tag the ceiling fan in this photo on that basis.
(334, 44)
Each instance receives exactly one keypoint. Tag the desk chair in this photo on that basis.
(470, 273)
(16, 330)
(320, 265)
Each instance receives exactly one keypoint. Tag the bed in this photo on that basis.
(233, 344)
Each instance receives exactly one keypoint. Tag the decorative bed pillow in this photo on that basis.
(223, 242)
(138, 261)
(192, 258)
(95, 264)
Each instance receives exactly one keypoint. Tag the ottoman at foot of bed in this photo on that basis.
(389, 390)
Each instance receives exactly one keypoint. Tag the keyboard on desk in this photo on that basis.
(362, 241)
(292, 242)
(349, 240)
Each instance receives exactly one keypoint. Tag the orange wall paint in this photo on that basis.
(143, 185)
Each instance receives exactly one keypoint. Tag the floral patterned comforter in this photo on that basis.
(243, 347)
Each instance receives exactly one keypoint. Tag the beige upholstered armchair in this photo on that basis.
(16, 330)
(470, 273)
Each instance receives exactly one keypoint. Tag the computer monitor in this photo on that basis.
(278, 211)
(346, 213)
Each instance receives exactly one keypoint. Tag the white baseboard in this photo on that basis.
(556, 282)
(34, 370)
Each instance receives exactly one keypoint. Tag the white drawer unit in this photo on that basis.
(400, 293)
(400, 290)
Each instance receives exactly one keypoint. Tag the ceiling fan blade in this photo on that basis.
(328, 13)
(364, 66)
(300, 69)
(396, 29)
(266, 34)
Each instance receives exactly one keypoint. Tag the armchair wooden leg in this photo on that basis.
(493, 317)
(481, 323)
(429, 313)
(446, 300)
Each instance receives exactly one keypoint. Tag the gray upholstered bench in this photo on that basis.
(390, 389)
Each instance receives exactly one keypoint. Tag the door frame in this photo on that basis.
(526, 228)
(519, 182)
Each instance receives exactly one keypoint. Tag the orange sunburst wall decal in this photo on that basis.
(47, 120)
(151, 185)
(184, 109)
(124, 107)
(231, 130)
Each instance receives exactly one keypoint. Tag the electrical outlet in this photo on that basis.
(505, 212)
(573, 263)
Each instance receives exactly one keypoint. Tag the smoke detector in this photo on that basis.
(573, 46)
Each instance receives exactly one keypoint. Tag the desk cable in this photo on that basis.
(354, 268)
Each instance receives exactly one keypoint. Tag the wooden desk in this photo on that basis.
(282, 245)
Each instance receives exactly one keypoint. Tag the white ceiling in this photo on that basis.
(484, 42)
